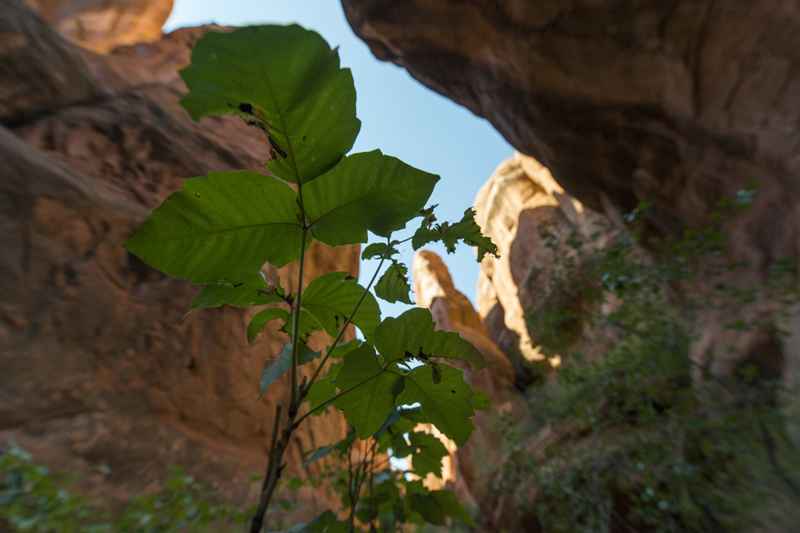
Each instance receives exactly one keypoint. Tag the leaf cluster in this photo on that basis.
(219, 230)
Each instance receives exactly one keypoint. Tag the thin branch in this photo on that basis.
(275, 464)
(296, 324)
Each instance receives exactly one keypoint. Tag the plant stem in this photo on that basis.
(296, 324)
(275, 462)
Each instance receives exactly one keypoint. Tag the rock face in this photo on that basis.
(103, 374)
(674, 103)
(681, 105)
(684, 105)
(102, 25)
(522, 209)
(38, 70)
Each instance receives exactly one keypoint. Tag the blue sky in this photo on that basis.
(399, 115)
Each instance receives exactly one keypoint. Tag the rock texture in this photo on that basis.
(28, 53)
(522, 209)
(102, 25)
(103, 374)
(678, 104)
(681, 105)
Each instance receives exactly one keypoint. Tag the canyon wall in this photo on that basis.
(105, 376)
(681, 115)
(679, 105)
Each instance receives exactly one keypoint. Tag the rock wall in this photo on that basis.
(103, 374)
(686, 106)
(678, 104)
(522, 209)
(102, 25)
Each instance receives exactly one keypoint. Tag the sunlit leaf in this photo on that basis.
(393, 285)
(465, 230)
(412, 334)
(260, 320)
(331, 298)
(222, 227)
(248, 292)
(446, 404)
(428, 454)
(372, 391)
(365, 191)
(285, 80)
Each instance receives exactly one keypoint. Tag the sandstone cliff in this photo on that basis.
(677, 104)
(103, 374)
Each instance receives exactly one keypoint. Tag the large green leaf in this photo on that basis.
(249, 292)
(393, 285)
(222, 227)
(366, 191)
(371, 399)
(465, 230)
(286, 80)
(427, 455)
(446, 403)
(331, 298)
(437, 506)
(260, 320)
(320, 392)
(413, 334)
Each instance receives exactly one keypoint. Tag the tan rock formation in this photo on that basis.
(102, 25)
(679, 104)
(103, 377)
(38, 71)
(530, 218)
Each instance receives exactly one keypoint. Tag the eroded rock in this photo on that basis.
(531, 220)
(104, 376)
(38, 71)
(102, 25)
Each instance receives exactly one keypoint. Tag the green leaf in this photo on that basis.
(428, 454)
(280, 365)
(371, 399)
(400, 447)
(465, 230)
(259, 321)
(285, 80)
(343, 349)
(438, 505)
(378, 249)
(393, 285)
(323, 389)
(332, 297)
(308, 325)
(252, 291)
(413, 334)
(366, 191)
(446, 404)
(222, 227)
